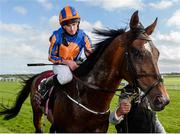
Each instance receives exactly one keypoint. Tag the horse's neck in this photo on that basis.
(106, 75)
(106, 72)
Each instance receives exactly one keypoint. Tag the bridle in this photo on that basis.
(133, 72)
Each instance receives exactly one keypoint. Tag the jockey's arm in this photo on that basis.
(72, 64)
(53, 51)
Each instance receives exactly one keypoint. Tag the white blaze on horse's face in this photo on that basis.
(148, 47)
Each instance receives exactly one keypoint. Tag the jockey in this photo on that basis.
(67, 45)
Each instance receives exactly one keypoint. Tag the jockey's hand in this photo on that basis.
(124, 107)
(72, 64)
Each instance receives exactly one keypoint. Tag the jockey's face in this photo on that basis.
(71, 28)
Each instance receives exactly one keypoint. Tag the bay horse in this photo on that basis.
(83, 104)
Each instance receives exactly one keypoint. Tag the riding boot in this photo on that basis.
(44, 88)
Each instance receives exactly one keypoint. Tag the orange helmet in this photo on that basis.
(68, 14)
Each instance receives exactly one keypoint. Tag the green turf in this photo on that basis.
(170, 117)
(4, 130)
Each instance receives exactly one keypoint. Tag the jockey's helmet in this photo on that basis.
(68, 15)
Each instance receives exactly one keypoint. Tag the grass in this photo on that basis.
(23, 122)
(4, 130)
(170, 117)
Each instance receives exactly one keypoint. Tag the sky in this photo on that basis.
(26, 25)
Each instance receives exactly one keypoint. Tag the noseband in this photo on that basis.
(134, 73)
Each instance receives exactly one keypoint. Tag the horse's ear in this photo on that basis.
(134, 20)
(151, 28)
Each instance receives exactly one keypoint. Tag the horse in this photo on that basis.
(83, 104)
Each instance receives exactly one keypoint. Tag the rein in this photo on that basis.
(86, 108)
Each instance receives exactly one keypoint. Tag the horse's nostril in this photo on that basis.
(158, 99)
(161, 101)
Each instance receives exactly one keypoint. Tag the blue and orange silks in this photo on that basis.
(70, 51)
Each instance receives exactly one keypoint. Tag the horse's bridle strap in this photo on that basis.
(152, 87)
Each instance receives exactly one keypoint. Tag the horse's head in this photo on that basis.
(141, 57)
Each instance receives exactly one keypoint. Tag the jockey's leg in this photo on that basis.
(45, 85)
(64, 74)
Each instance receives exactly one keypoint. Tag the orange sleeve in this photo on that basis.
(88, 46)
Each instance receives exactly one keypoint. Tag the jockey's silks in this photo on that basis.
(67, 47)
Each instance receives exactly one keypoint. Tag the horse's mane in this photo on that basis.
(88, 64)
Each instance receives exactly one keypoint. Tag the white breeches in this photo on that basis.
(64, 74)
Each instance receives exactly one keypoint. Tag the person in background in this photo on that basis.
(133, 116)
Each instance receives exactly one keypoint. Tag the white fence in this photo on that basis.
(173, 86)
(8, 79)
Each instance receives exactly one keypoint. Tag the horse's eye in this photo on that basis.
(137, 54)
